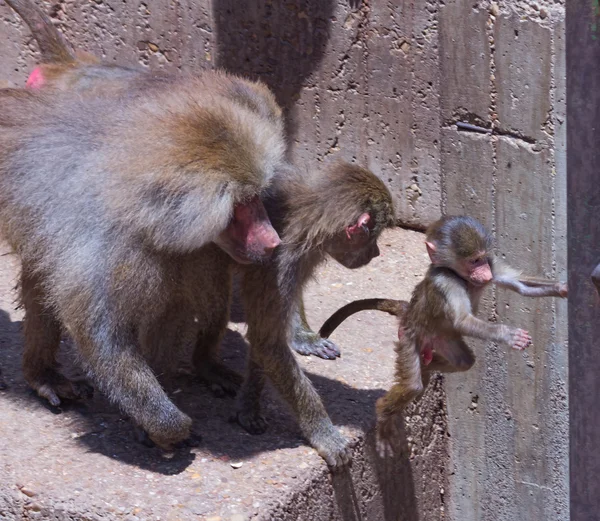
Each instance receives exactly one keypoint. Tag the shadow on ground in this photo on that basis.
(101, 428)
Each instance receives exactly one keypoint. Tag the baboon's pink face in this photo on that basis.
(250, 236)
(476, 269)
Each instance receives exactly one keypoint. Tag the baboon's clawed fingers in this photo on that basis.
(194, 440)
(168, 433)
(332, 447)
(562, 289)
(308, 343)
(142, 437)
(54, 387)
(520, 339)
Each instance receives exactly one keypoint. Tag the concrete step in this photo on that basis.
(82, 462)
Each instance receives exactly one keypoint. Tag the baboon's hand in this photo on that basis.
(519, 339)
(55, 387)
(332, 447)
(169, 431)
(563, 289)
(253, 422)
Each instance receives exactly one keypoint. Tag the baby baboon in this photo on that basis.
(442, 310)
(339, 212)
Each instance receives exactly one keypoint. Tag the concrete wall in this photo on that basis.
(385, 83)
(358, 80)
(503, 66)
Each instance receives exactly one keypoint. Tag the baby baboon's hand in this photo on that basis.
(563, 289)
(520, 339)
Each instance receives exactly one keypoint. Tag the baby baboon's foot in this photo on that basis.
(386, 433)
(309, 343)
(332, 447)
(252, 422)
(221, 380)
(53, 386)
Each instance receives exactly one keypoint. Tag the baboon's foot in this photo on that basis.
(194, 440)
(221, 380)
(309, 343)
(252, 422)
(53, 386)
(170, 429)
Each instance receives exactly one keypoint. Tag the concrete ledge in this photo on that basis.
(84, 464)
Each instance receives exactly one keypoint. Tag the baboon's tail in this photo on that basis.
(390, 306)
(53, 46)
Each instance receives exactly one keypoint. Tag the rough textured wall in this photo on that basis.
(385, 83)
(358, 79)
(508, 416)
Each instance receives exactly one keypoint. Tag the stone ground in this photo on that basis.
(82, 462)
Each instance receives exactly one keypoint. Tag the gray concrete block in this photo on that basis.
(507, 460)
(558, 474)
(85, 463)
(523, 75)
(16, 56)
(426, 203)
(468, 170)
(529, 403)
(559, 119)
(523, 203)
(389, 111)
(464, 60)
(468, 167)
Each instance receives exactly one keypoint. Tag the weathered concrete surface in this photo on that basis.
(464, 62)
(383, 83)
(530, 404)
(507, 417)
(523, 75)
(84, 463)
(464, 154)
(357, 79)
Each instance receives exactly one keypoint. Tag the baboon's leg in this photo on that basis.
(408, 386)
(42, 333)
(213, 324)
(248, 405)
(305, 341)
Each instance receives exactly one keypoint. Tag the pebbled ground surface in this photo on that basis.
(82, 461)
